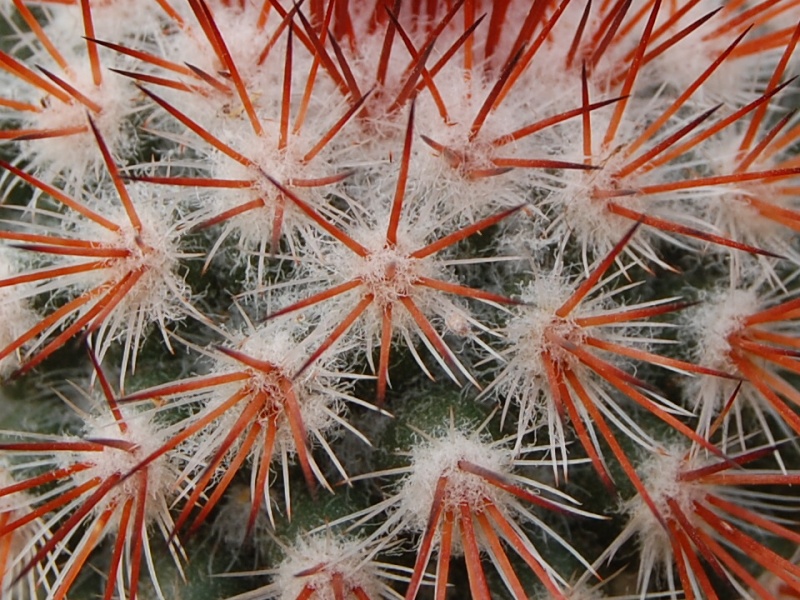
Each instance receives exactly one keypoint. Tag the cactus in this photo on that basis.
(329, 299)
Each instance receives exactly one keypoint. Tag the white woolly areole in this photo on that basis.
(388, 274)
(283, 164)
(581, 206)
(16, 317)
(77, 156)
(525, 376)
(717, 320)
(154, 256)
(440, 458)
(154, 253)
(713, 323)
(527, 331)
(144, 437)
(276, 345)
(330, 556)
(748, 212)
(661, 477)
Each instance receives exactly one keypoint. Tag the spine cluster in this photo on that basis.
(337, 299)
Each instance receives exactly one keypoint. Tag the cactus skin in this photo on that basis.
(426, 299)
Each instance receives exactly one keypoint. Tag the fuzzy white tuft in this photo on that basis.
(144, 437)
(438, 458)
(330, 557)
